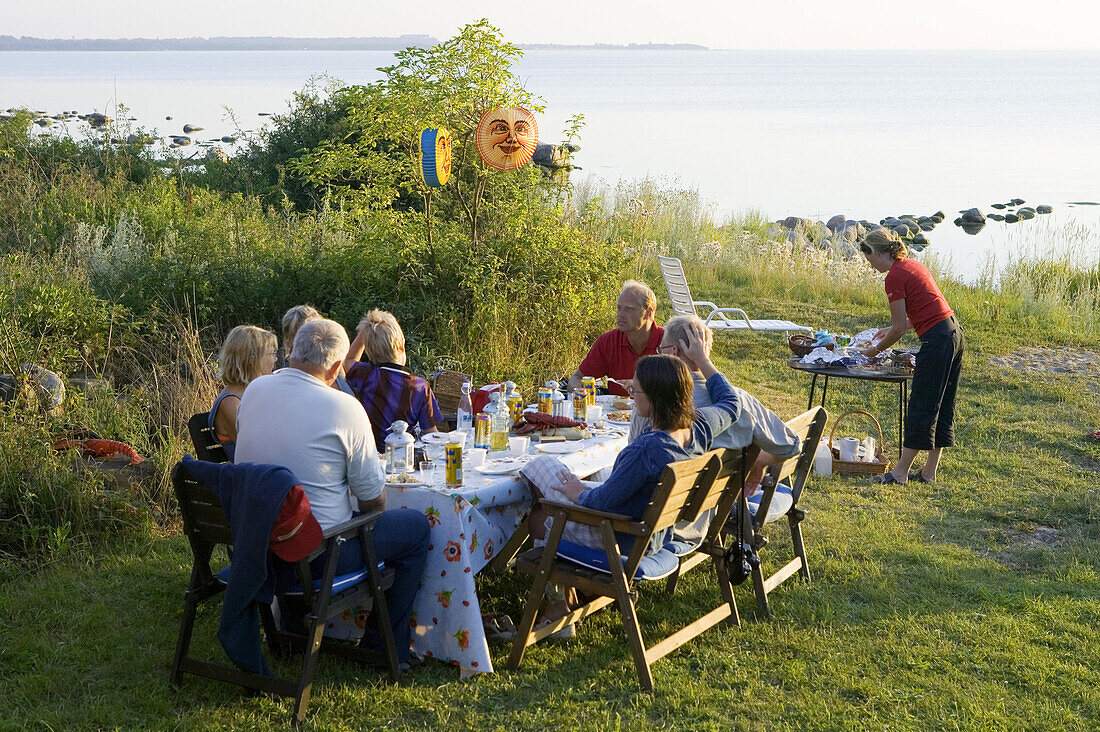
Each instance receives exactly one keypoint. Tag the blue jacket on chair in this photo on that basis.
(251, 496)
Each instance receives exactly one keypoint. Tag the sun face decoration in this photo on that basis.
(506, 137)
(435, 156)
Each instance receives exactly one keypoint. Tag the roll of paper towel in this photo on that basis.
(849, 449)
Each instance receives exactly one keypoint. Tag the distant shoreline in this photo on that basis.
(274, 43)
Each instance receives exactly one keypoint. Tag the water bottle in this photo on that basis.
(823, 459)
(465, 420)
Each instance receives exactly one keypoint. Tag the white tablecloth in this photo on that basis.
(469, 525)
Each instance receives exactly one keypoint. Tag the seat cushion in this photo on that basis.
(781, 503)
(339, 584)
(653, 566)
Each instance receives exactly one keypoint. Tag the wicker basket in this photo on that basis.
(801, 344)
(855, 467)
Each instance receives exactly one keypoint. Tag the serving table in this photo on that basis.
(834, 371)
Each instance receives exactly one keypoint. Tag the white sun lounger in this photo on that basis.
(679, 294)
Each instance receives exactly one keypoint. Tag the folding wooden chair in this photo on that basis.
(684, 490)
(206, 444)
(679, 296)
(328, 596)
(781, 489)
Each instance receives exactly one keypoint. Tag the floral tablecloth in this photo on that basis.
(469, 525)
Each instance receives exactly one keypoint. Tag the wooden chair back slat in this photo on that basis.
(204, 440)
(809, 426)
(678, 482)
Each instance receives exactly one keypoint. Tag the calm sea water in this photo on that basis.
(813, 134)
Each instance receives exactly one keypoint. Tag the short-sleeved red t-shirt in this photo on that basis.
(612, 356)
(924, 303)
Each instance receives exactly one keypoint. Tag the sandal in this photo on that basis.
(501, 628)
(1093, 436)
(918, 477)
(886, 478)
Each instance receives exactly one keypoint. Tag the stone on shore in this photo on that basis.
(834, 223)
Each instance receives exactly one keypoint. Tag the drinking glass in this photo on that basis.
(427, 471)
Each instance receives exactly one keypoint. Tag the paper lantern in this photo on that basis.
(435, 156)
(506, 137)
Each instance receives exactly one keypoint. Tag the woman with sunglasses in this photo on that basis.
(916, 302)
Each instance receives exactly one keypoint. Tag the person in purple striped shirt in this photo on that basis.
(383, 384)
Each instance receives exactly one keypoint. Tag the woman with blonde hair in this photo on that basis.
(383, 383)
(294, 319)
(247, 354)
(916, 302)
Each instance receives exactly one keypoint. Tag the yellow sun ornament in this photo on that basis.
(435, 156)
(506, 137)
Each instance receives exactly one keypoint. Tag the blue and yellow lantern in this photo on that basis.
(435, 156)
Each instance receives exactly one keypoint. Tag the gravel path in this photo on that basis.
(1073, 363)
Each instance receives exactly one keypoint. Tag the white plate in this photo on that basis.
(559, 448)
(502, 466)
(615, 421)
(606, 398)
(435, 438)
(408, 485)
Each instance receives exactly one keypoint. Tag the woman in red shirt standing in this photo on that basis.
(916, 302)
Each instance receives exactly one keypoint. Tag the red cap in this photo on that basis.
(296, 533)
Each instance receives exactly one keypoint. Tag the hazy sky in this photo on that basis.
(739, 24)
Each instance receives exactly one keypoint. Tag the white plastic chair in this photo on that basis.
(679, 294)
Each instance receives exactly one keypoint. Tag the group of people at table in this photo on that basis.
(325, 417)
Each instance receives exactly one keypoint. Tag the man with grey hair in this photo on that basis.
(294, 418)
(756, 424)
(636, 334)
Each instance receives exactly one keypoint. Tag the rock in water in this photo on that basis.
(997, 206)
(1017, 202)
(972, 216)
(228, 139)
(97, 120)
(1011, 218)
(191, 128)
(169, 117)
(996, 217)
(1026, 212)
(1044, 209)
(973, 228)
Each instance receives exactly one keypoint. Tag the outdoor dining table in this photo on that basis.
(843, 372)
(469, 525)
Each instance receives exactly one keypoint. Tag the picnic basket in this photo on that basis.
(856, 467)
(801, 344)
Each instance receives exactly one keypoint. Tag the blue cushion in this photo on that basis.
(781, 503)
(339, 584)
(652, 566)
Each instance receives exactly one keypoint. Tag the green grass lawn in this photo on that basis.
(971, 604)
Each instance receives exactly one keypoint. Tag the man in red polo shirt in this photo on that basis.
(636, 334)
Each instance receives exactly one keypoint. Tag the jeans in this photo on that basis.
(930, 419)
(401, 541)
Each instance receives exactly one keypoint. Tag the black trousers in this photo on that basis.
(930, 420)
